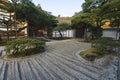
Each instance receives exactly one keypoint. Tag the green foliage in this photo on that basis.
(24, 47)
(27, 11)
(96, 32)
(82, 19)
(101, 47)
(104, 45)
(62, 27)
(93, 33)
(35, 16)
(88, 37)
(111, 10)
(86, 5)
(96, 11)
(105, 10)
(3, 42)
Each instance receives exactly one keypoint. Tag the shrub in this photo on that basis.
(104, 45)
(3, 42)
(24, 47)
(88, 37)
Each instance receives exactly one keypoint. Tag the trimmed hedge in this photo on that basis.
(24, 47)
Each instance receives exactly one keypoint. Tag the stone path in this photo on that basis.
(59, 62)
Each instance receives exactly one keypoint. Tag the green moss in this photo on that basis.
(94, 52)
(89, 51)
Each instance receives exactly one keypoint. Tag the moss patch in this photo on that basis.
(92, 51)
(89, 51)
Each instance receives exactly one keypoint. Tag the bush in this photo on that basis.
(24, 47)
(104, 45)
(3, 42)
(88, 37)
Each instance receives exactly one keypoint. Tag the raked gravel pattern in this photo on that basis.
(60, 61)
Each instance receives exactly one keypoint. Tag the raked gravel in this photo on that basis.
(60, 61)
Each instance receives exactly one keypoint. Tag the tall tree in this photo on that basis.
(103, 10)
(6, 7)
(35, 17)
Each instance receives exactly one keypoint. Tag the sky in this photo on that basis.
(64, 8)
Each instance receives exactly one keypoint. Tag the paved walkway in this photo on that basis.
(59, 62)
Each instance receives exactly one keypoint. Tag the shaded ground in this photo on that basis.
(60, 62)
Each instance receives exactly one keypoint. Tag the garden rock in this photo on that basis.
(90, 57)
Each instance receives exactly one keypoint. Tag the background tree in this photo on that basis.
(62, 27)
(83, 21)
(95, 12)
(113, 11)
(6, 7)
(35, 17)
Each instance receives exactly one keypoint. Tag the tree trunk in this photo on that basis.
(29, 31)
(0, 38)
(118, 32)
(49, 32)
(7, 33)
(60, 34)
(33, 34)
(85, 32)
(55, 34)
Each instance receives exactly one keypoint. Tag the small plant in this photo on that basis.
(24, 47)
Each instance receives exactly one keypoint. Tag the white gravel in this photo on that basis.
(59, 62)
